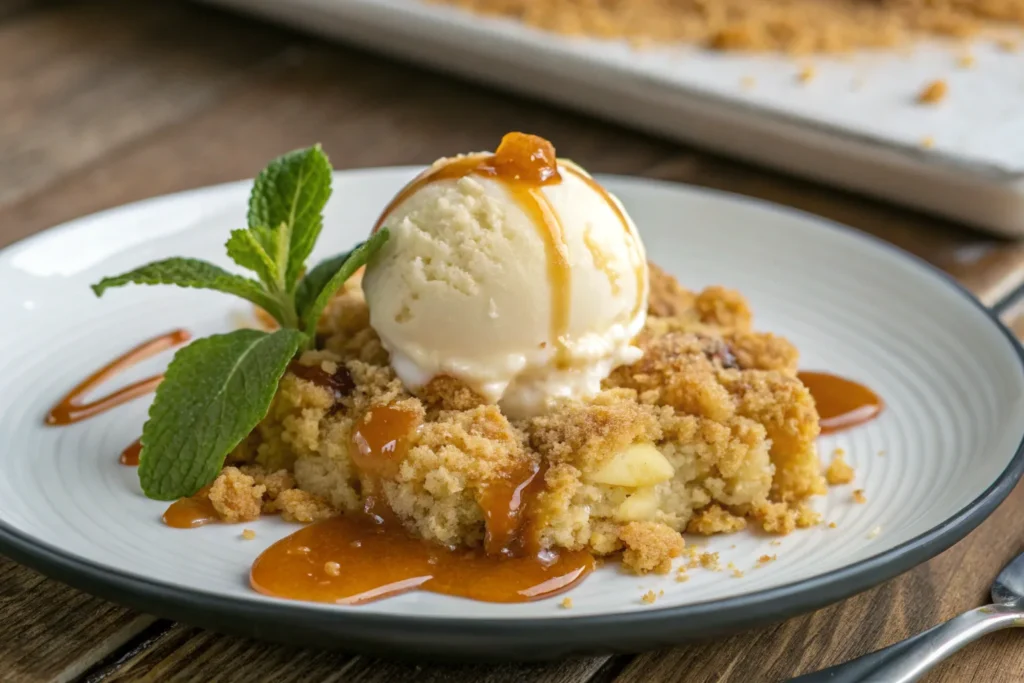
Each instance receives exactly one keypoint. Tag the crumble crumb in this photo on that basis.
(714, 519)
(839, 471)
(236, 496)
(776, 542)
(566, 603)
(838, 452)
(748, 82)
(296, 505)
(831, 525)
(332, 568)
(649, 597)
(859, 497)
(806, 74)
(874, 532)
(1009, 44)
(682, 578)
(709, 561)
(933, 93)
(650, 547)
(927, 142)
(737, 573)
(881, 454)
(248, 534)
(966, 61)
(765, 559)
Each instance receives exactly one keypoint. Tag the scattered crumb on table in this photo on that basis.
(934, 92)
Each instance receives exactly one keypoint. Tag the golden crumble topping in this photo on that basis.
(794, 26)
(711, 430)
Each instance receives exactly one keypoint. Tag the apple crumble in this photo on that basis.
(795, 26)
(709, 432)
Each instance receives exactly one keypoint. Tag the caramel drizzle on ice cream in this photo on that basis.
(525, 164)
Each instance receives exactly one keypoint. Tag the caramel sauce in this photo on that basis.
(524, 164)
(72, 409)
(505, 503)
(188, 513)
(842, 403)
(376, 561)
(130, 455)
(357, 558)
(380, 441)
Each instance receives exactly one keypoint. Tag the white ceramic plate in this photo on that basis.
(951, 375)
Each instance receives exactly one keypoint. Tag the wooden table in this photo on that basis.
(103, 103)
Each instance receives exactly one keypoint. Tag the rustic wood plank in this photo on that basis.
(184, 653)
(49, 631)
(81, 79)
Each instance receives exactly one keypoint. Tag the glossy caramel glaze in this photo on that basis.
(842, 403)
(130, 455)
(73, 409)
(189, 513)
(350, 560)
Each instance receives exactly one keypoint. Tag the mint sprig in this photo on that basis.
(217, 389)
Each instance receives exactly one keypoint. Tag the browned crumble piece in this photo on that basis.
(332, 569)
(650, 547)
(765, 559)
(566, 603)
(710, 561)
(275, 482)
(724, 308)
(448, 393)
(839, 471)
(933, 93)
(737, 573)
(296, 505)
(775, 543)
(859, 497)
(649, 597)
(715, 520)
(806, 516)
(668, 299)
(248, 534)
(236, 496)
(831, 525)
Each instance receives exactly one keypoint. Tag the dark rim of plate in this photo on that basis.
(530, 638)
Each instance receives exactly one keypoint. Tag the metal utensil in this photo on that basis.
(910, 659)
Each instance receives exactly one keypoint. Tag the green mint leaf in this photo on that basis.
(317, 278)
(290, 194)
(247, 251)
(188, 272)
(353, 262)
(215, 392)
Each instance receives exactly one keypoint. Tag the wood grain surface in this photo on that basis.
(103, 103)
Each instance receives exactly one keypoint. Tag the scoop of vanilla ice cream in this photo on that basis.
(471, 281)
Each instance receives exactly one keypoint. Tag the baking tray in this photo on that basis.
(856, 124)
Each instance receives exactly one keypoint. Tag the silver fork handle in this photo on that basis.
(910, 659)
